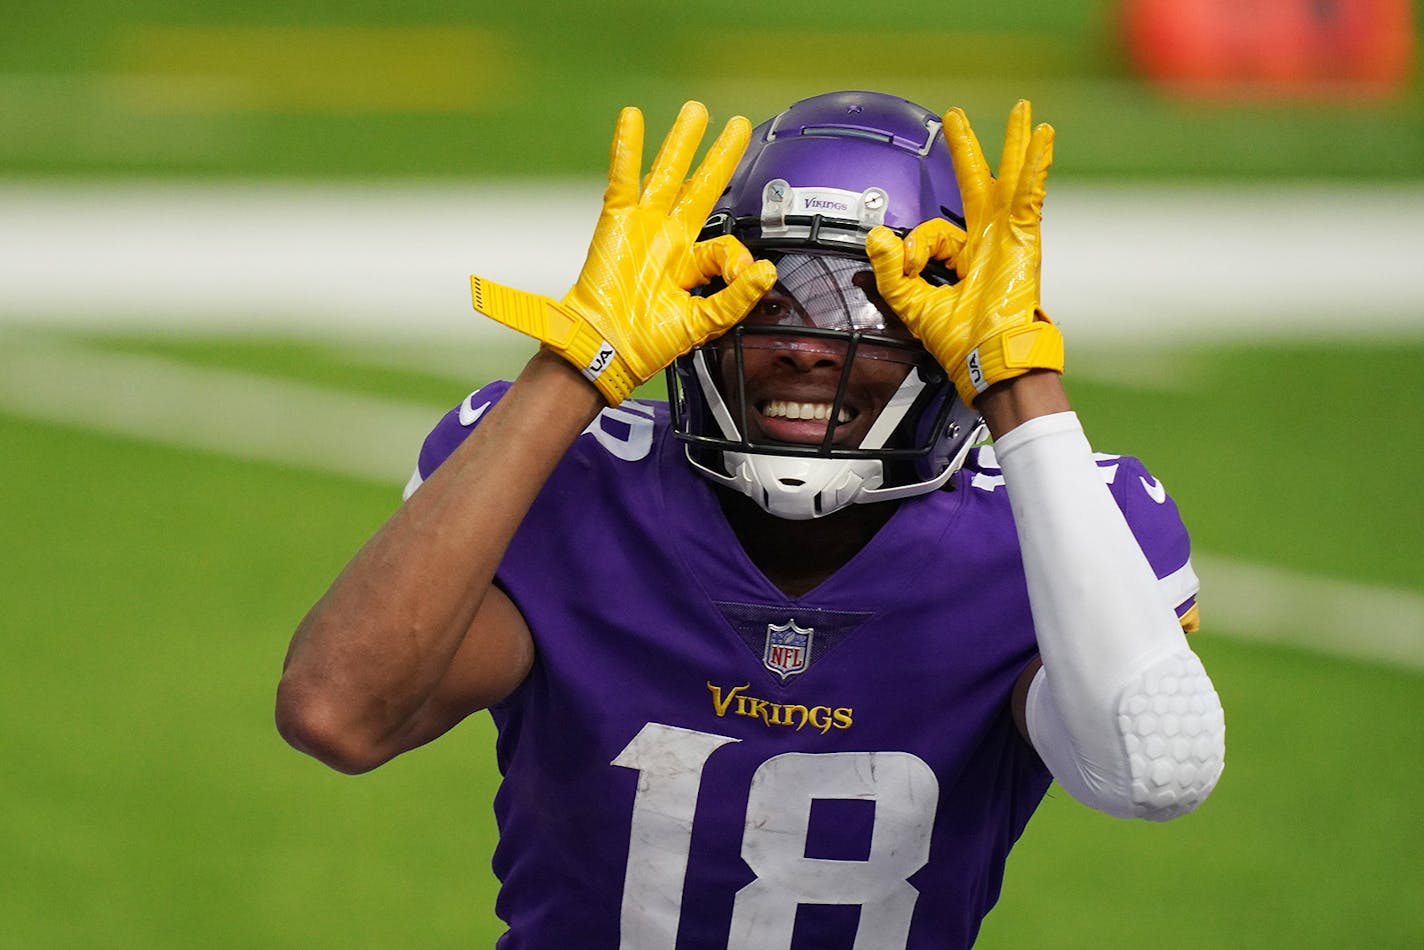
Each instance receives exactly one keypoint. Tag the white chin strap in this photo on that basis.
(799, 488)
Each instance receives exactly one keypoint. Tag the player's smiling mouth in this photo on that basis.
(792, 409)
(804, 421)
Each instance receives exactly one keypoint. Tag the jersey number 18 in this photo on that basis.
(670, 762)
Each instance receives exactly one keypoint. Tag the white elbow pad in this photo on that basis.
(1173, 741)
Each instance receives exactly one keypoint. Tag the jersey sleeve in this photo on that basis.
(1157, 524)
(1151, 513)
(451, 430)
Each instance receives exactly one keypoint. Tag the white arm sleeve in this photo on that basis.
(1122, 712)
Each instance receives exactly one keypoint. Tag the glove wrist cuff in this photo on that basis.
(560, 330)
(1009, 354)
(596, 359)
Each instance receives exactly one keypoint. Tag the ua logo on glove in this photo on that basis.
(976, 371)
(600, 360)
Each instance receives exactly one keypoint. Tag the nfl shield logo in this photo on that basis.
(788, 649)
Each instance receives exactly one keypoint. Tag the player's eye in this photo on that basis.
(769, 310)
(774, 308)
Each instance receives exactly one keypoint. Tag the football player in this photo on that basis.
(793, 657)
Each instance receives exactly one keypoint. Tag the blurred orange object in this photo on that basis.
(1325, 49)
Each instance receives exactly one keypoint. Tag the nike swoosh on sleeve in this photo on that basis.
(1155, 489)
(469, 413)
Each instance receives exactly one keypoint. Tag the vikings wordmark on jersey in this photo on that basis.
(737, 701)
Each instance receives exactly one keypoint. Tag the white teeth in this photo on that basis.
(783, 409)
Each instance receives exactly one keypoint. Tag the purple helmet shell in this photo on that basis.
(887, 164)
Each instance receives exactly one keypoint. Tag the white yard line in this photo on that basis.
(1270, 604)
(1145, 263)
(229, 413)
(248, 417)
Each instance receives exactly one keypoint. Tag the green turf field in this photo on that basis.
(150, 590)
(320, 88)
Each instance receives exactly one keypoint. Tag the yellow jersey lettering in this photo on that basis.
(742, 705)
(737, 702)
(795, 715)
(719, 705)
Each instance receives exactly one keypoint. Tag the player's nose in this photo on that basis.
(807, 355)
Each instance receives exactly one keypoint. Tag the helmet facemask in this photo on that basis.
(842, 405)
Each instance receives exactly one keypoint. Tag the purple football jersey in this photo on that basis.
(697, 760)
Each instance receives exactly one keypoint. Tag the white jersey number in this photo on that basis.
(670, 762)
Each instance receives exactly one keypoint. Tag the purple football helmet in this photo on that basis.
(813, 182)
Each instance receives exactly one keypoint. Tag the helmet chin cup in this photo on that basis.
(800, 489)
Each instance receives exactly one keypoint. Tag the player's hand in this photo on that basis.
(988, 327)
(630, 313)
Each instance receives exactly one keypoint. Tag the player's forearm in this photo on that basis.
(375, 647)
(1008, 405)
(1109, 639)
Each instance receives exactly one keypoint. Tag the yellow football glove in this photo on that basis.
(988, 327)
(630, 313)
